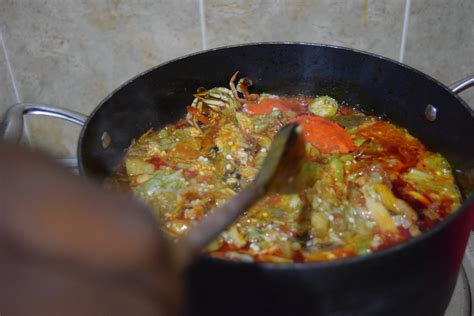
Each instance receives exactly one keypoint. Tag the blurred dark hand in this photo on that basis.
(68, 247)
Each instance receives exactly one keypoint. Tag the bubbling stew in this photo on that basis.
(369, 183)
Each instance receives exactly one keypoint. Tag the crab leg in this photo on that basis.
(234, 90)
(243, 84)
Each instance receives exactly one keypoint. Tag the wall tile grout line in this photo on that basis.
(10, 70)
(404, 31)
(26, 131)
(202, 24)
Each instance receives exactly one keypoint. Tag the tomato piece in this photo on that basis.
(189, 174)
(327, 136)
(157, 162)
(266, 106)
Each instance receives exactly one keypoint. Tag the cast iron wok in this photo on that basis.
(414, 278)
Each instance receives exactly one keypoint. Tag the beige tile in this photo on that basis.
(73, 53)
(440, 40)
(372, 25)
(7, 94)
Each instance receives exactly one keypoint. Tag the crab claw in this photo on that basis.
(242, 86)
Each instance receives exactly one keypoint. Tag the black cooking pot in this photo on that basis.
(413, 278)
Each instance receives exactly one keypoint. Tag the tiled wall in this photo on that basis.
(73, 53)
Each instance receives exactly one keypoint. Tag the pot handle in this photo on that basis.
(12, 125)
(458, 87)
(463, 84)
(11, 129)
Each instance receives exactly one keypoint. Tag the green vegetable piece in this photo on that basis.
(320, 224)
(351, 121)
(359, 141)
(253, 234)
(261, 123)
(276, 113)
(163, 181)
(136, 166)
(337, 168)
(308, 174)
(347, 157)
(323, 106)
(244, 121)
(213, 246)
(163, 133)
(235, 238)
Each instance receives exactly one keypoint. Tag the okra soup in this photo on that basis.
(369, 184)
